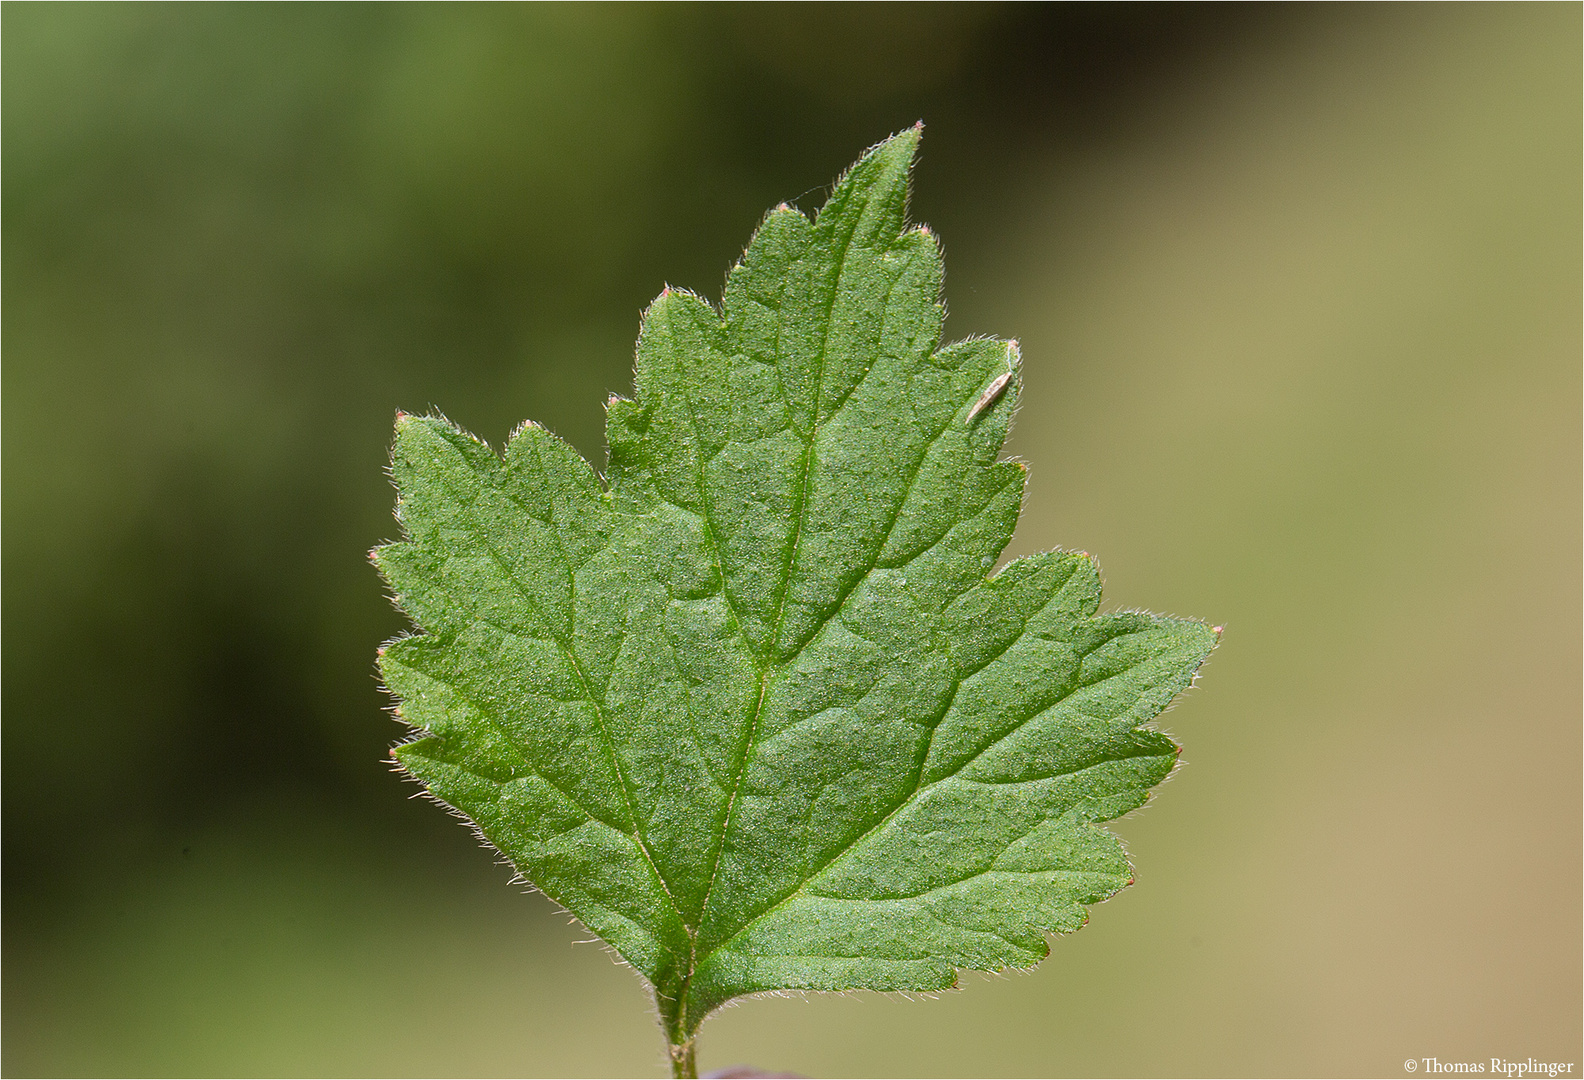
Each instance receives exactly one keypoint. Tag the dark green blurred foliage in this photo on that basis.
(238, 238)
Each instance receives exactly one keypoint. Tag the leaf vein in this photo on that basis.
(571, 658)
(918, 789)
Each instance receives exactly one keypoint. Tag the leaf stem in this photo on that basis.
(683, 1066)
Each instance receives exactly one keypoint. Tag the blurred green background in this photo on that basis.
(1299, 297)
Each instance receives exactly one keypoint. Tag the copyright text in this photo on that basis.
(1496, 1067)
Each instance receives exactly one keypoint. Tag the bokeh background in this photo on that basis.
(1299, 296)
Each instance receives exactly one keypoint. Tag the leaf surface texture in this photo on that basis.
(751, 705)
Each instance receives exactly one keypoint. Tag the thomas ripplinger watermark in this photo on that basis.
(1494, 1067)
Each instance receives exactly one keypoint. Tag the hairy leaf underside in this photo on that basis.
(750, 705)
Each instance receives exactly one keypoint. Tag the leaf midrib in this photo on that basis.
(768, 663)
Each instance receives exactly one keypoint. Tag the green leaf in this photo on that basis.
(751, 706)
